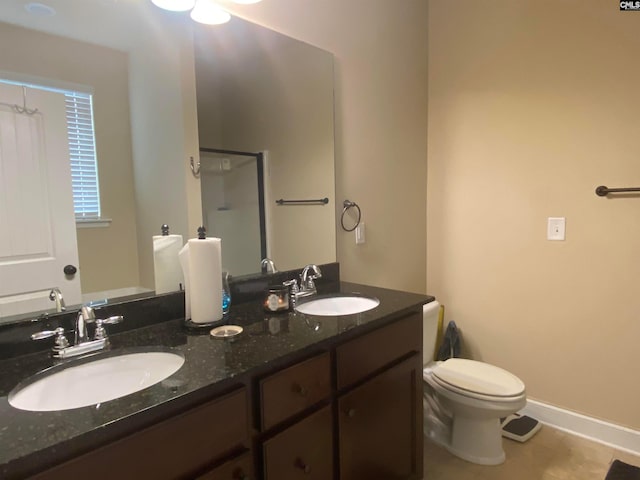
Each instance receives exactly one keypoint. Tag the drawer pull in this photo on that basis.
(240, 475)
(351, 412)
(299, 389)
(303, 466)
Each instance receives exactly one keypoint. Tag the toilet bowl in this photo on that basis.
(465, 399)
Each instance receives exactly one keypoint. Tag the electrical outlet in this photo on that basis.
(555, 228)
(360, 233)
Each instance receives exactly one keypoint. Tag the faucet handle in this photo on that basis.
(61, 341)
(111, 320)
(293, 284)
(101, 332)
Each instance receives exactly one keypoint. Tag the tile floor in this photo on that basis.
(549, 455)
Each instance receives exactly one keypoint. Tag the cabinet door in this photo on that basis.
(304, 450)
(240, 468)
(174, 448)
(380, 425)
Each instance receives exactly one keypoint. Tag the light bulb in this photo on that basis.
(208, 12)
(174, 5)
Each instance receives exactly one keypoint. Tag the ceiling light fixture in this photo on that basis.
(175, 5)
(202, 11)
(210, 13)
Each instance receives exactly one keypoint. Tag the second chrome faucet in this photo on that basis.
(307, 285)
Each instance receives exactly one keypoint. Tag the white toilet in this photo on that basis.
(465, 399)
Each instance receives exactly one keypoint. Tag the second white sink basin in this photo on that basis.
(338, 305)
(95, 381)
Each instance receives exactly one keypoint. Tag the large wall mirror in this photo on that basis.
(152, 74)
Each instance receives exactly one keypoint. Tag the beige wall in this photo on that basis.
(108, 256)
(380, 50)
(532, 104)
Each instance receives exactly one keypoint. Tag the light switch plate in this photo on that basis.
(556, 228)
(360, 234)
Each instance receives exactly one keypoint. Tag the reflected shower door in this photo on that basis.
(233, 206)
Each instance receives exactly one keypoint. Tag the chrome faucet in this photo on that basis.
(267, 266)
(55, 295)
(83, 344)
(307, 284)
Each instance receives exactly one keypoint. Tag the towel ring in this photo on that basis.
(346, 205)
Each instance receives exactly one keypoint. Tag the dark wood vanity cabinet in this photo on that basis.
(379, 405)
(353, 411)
(376, 399)
(183, 446)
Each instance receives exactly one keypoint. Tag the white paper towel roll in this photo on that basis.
(166, 264)
(203, 295)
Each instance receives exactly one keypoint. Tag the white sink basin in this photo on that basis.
(338, 305)
(96, 381)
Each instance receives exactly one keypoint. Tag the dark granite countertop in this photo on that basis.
(30, 441)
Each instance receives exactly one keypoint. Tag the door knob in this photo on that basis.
(70, 270)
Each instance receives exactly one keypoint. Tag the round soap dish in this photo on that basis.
(226, 331)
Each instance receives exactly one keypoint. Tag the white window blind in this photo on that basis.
(82, 153)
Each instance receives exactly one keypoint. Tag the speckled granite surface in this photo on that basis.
(29, 441)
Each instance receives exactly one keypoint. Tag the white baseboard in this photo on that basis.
(616, 436)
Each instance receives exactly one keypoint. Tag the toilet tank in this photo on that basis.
(430, 314)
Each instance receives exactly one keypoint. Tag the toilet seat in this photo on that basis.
(477, 380)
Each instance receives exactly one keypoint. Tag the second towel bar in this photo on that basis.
(319, 201)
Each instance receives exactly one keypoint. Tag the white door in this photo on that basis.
(37, 222)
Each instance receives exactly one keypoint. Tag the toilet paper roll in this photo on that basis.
(166, 264)
(205, 279)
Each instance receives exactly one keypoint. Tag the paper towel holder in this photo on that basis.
(195, 168)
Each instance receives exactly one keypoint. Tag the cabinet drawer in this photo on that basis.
(303, 451)
(364, 355)
(293, 389)
(174, 448)
(240, 468)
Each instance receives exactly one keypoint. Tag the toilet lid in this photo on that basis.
(478, 377)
